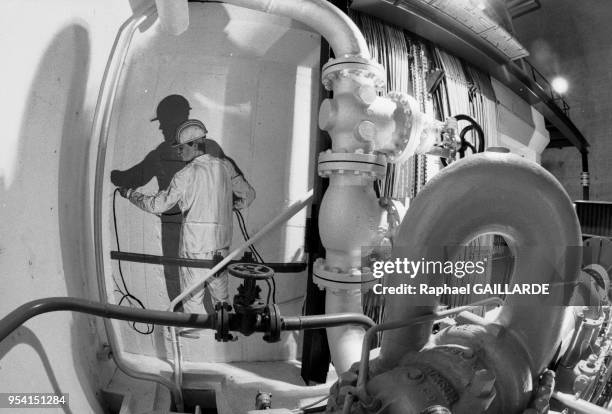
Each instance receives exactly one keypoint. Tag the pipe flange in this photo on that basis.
(589, 367)
(273, 316)
(333, 278)
(374, 165)
(355, 67)
(222, 325)
(405, 119)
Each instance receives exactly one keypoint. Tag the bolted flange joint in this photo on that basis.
(334, 278)
(356, 68)
(358, 163)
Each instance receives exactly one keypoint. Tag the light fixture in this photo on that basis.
(482, 5)
(559, 85)
(479, 4)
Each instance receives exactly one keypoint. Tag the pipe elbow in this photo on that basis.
(336, 27)
(501, 194)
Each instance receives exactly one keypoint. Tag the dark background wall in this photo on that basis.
(574, 39)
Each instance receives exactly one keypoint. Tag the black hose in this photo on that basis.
(36, 307)
(125, 293)
(479, 131)
(464, 143)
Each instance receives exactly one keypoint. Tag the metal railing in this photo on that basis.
(546, 86)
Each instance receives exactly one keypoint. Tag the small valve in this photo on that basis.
(263, 400)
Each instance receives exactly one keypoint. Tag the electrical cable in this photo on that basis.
(474, 125)
(245, 234)
(269, 290)
(126, 294)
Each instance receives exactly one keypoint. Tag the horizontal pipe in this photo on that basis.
(577, 405)
(33, 308)
(105, 310)
(292, 323)
(198, 263)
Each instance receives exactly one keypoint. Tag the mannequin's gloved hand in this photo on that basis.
(125, 192)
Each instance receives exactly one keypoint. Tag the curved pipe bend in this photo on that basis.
(335, 26)
(502, 194)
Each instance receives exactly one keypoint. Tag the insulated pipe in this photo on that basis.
(502, 194)
(335, 26)
(577, 405)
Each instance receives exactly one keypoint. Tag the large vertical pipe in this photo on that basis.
(348, 43)
(349, 218)
(502, 194)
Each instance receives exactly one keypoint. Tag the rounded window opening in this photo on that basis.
(494, 261)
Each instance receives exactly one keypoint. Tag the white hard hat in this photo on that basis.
(189, 131)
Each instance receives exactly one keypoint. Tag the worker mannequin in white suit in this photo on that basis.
(206, 190)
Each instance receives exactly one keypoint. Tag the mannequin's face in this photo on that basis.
(188, 152)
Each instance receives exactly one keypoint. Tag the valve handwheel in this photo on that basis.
(250, 271)
(464, 144)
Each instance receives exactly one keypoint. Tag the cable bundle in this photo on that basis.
(126, 295)
(463, 90)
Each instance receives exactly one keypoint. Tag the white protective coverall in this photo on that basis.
(206, 190)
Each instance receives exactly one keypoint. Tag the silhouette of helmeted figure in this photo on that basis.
(162, 163)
